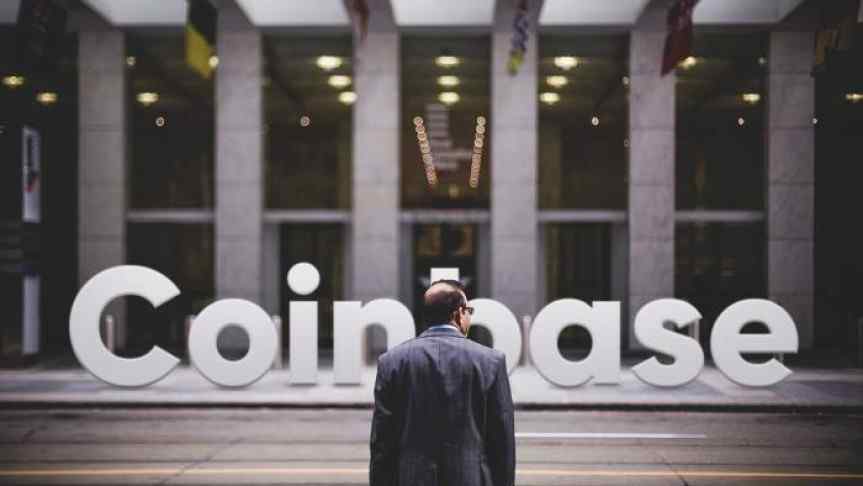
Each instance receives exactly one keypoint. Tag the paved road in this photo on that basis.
(261, 446)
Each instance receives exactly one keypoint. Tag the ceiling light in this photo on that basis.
(131, 61)
(448, 97)
(339, 81)
(328, 63)
(625, 80)
(814, 120)
(347, 97)
(147, 98)
(214, 61)
(762, 61)
(448, 81)
(556, 81)
(689, 62)
(447, 61)
(741, 122)
(305, 121)
(566, 62)
(160, 121)
(549, 98)
(594, 121)
(46, 97)
(751, 98)
(13, 81)
(854, 97)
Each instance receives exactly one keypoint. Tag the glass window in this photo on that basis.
(445, 122)
(322, 245)
(717, 265)
(583, 121)
(171, 125)
(720, 124)
(308, 92)
(44, 100)
(183, 253)
(838, 172)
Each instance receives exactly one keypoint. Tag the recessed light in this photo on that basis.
(347, 97)
(448, 81)
(339, 81)
(594, 121)
(328, 63)
(447, 61)
(566, 62)
(556, 81)
(46, 97)
(13, 81)
(549, 98)
(689, 62)
(305, 121)
(448, 97)
(147, 98)
(214, 61)
(751, 98)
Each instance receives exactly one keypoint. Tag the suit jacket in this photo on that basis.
(443, 414)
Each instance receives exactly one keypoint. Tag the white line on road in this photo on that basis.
(603, 435)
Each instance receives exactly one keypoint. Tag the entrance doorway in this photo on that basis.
(322, 246)
(444, 245)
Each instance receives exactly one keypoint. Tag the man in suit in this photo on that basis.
(443, 409)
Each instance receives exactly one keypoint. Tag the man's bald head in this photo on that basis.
(441, 299)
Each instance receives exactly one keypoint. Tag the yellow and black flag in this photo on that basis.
(201, 37)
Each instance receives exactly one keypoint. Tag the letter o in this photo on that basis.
(203, 337)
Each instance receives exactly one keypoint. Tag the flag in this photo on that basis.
(201, 37)
(835, 37)
(39, 34)
(678, 41)
(520, 24)
(358, 10)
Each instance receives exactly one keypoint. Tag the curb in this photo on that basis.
(561, 407)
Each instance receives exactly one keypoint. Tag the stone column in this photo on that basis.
(239, 157)
(102, 155)
(791, 177)
(651, 163)
(514, 226)
(374, 232)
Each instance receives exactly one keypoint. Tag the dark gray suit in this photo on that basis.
(443, 414)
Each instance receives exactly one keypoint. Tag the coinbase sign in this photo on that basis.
(351, 318)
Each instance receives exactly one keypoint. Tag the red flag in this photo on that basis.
(358, 10)
(678, 41)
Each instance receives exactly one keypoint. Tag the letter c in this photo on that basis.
(86, 312)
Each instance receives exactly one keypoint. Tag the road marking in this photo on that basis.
(603, 435)
(362, 471)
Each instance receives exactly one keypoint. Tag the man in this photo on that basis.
(443, 410)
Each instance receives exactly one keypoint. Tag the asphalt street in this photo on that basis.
(317, 447)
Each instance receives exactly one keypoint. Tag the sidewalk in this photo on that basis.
(810, 389)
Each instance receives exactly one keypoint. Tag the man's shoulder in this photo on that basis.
(474, 349)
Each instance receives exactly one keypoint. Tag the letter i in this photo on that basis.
(303, 279)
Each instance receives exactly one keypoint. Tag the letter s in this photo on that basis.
(87, 343)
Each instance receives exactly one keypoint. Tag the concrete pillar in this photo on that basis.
(514, 227)
(375, 176)
(102, 155)
(239, 157)
(791, 177)
(651, 163)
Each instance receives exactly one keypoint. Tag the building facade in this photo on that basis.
(376, 157)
